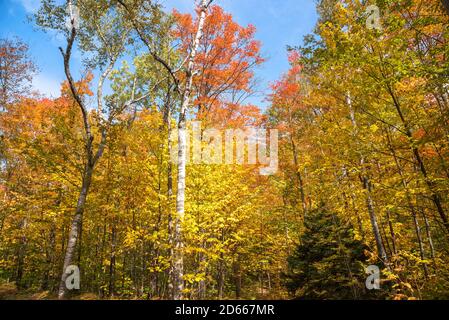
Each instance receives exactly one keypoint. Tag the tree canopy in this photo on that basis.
(88, 179)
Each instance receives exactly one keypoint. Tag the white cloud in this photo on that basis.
(31, 6)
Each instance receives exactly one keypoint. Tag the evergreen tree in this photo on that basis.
(329, 262)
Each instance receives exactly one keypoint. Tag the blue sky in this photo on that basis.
(279, 23)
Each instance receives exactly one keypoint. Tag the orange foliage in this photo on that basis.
(33, 117)
(83, 86)
(226, 58)
(287, 94)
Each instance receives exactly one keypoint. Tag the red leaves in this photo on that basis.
(287, 91)
(293, 57)
(286, 99)
(226, 58)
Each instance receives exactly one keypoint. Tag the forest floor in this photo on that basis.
(9, 291)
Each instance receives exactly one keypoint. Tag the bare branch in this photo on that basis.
(67, 55)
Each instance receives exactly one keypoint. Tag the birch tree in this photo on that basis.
(104, 35)
(184, 89)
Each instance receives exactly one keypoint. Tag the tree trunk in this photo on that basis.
(420, 163)
(429, 238)
(237, 279)
(299, 176)
(178, 261)
(392, 233)
(372, 215)
(221, 277)
(367, 186)
(74, 229)
(171, 234)
(21, 252)
(421, 247)
(409, 201)
(112, 260)
(50, 257)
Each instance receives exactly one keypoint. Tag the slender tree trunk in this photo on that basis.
(74, 229)
(221, 277)
(80, 242)
(375, 226)
(178, 261)
(50, 257)
(299, 176)
(429, 238)
(237, 279)
(420, 163)
(90, 159)
(392, 233)
(431, 185)
(359, 218)
(202, 283)
(421, 246)
(102, 253)
(409, 201)
(367, 186)
(353, 204)
(21, 252)
(385, 240)
(171, 234)
(112, 260)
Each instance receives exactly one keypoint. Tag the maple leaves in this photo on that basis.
(364, 107)
(364, 125)
(226, 59)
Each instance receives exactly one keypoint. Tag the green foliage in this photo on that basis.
(329, 263)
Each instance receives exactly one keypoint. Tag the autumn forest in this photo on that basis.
(112, 190)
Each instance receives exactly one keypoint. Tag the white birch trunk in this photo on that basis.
(178, 261)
